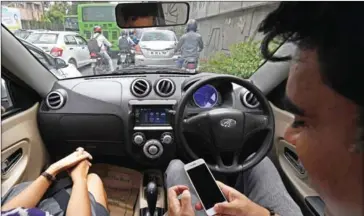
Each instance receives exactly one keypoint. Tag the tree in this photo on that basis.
(56, 12)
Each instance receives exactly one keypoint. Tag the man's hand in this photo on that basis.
(79, 173)
(177, 207)
(237, 205)
(70, 161)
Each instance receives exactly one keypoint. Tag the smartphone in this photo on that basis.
(205, 185)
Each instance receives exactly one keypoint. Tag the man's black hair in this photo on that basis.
(334, 29)
(140, 10)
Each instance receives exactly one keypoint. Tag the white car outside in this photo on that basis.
(69, 46)
(156, 48)
(56, 66)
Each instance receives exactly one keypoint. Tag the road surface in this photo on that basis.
(87, 70)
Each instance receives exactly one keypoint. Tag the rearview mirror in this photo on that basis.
(60, 63)
(143, 15)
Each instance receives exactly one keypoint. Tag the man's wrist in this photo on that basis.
(259, 210)
(79, 181)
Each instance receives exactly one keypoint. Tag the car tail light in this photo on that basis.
(56, 51)
(93, 55)
(138, 50)
(191, 65)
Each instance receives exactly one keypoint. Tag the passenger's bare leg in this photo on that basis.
(96, 188)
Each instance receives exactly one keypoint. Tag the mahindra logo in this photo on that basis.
(228, 123)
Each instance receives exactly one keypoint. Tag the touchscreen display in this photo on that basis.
(205, 186)
(151, 116)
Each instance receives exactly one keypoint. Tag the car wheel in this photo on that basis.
(73, 62)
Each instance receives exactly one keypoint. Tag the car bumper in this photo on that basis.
(161, 62)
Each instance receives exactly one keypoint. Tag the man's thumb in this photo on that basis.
(186, 201)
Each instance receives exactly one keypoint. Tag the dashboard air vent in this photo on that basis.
(56, 99)
(165, 87)
(140, 88)
(250, 100)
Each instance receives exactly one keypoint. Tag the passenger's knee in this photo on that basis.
(93, 178)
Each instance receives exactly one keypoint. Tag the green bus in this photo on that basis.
(71, 23)
(99, 14)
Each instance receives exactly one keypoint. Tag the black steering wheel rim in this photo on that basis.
(268, 140)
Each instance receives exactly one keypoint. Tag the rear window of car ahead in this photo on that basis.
(43, 38)
(158, 36)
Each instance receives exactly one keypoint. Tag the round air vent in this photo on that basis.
(140, 88)
(56, 99)
(165, 87)
(250, 100)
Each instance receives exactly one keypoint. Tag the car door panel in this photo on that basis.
(72, 49)
(83, 49)
(293, 174)
(20, 135)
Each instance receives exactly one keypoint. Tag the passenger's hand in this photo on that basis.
(80, 171)
(237, 205)
(177, 207)
(68, 162)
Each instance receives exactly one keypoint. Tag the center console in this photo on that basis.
(152, 135)
(151, 198)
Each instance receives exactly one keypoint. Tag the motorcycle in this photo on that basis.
(99, 64)
(125, 59)
(190, 65)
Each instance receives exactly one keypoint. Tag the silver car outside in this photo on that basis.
(157, 49)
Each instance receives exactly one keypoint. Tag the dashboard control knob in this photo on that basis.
(153, 149)
(167, 138)
(138, 138)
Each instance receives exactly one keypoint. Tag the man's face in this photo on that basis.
(326, 131)
(140, 21)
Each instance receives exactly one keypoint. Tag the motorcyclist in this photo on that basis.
(124, 37)
(104, 45)
(133, 36)
(125, 44)
(190, 44)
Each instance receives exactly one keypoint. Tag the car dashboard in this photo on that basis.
(129, 114)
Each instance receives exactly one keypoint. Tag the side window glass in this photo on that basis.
(41, 57)
(70, 40)
(6, 102)
(80, 40)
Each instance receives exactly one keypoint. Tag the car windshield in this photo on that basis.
(158, 36)
(86, 36)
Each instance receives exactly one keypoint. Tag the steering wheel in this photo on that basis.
(227, 129)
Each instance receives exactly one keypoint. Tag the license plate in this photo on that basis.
(158, 52)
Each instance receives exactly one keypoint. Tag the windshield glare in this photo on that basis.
(86, 36)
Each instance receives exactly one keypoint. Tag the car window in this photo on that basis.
(228, 46)
(70, 40)
(158, 36)
(80, 40)
(41, 57)
(6, 102)
(42, 38)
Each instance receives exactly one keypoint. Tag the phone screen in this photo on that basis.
(205, 186)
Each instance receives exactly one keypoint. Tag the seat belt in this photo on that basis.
(59, 193)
